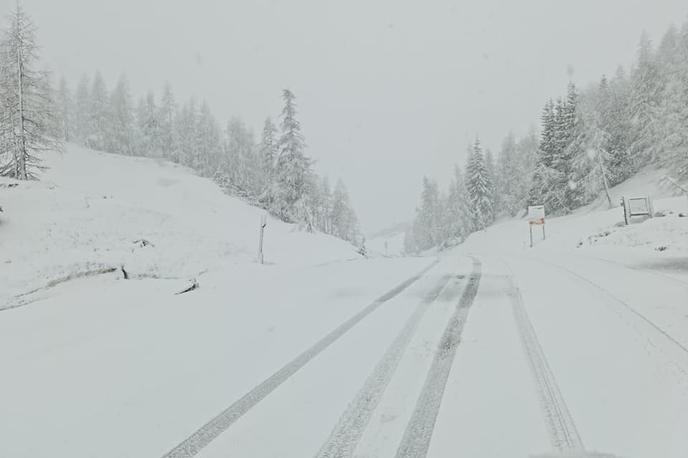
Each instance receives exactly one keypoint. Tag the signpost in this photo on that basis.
(536, 216)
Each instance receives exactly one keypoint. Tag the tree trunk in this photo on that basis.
(21, 140)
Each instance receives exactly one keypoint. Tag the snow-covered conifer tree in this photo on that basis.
(479, 189)
(293, 166)
(148, 127)
(646, 88)
(457, 206)
(268, 151)
(165, 117)
(100, 121)
(185, 131)
(208, 142)
(343, 219)
(120, 122)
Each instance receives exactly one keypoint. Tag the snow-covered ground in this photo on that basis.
(576, 346)
(92, 211)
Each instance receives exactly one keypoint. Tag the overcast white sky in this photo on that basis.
(387, 90)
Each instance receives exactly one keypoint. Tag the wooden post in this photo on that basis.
(623, 204)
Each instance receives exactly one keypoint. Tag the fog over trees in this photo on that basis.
(588, 139)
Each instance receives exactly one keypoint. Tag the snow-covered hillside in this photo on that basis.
(596, 230)
(93, 211)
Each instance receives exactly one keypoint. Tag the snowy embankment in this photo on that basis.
(598, 231)
(94, 212)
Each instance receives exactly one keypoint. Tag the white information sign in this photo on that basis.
(536, 214)
(638, 206)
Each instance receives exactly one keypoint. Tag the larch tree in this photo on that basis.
(29, 122)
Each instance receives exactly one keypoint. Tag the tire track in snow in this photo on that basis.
(348, 432)
(416, 439)
(216, 426)
(563, 433)
(679, 352)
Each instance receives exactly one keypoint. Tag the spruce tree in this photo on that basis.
(506, 177)
(342, 217)
(457, 207)
(267, 158)
(490, 169)
(572, 164)
(268, 151)
(293, 167)
(479, 189)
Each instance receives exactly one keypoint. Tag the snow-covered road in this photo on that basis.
(487, 355)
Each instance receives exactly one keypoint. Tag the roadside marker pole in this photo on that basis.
(263, 223)
(530, 226)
